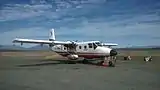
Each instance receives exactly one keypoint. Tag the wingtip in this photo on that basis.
(14, 40)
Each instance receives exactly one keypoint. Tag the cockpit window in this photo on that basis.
(98, 44)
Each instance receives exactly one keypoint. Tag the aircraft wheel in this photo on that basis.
(111, 64)
(70, 62)
(100, 63)
(85, 61)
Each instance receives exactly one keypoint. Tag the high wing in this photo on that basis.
(109, 44)
(63, 43)
(51, 40)
(17, 40)
(33, 41)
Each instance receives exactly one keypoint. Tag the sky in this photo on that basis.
(125, 22)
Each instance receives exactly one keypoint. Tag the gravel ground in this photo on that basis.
(35, 74)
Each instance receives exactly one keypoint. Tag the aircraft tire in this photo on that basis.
(85, 61)
(70, 62)
(100, 63)
(111, 64)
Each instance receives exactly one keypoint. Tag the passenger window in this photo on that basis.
(64, 48)
(85, 47)
(90, 45)
(80, 47)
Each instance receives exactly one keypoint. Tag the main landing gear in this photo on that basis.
(109, 61)
(85, 61)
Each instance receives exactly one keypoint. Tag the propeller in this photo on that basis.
(74, 43)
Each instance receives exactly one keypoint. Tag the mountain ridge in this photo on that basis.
(46, 47)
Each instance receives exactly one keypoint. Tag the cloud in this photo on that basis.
(23, 33)
(124, 22)
(18, 11)
(55, 9)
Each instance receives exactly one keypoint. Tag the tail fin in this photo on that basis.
(52, 35)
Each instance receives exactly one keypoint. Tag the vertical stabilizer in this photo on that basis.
(52, 35)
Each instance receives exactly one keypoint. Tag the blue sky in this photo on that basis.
(126, 22)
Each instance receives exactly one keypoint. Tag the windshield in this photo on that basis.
(98, 43)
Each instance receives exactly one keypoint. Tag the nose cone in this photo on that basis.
(113, 52)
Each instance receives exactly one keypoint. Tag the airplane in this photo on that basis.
(74, 50)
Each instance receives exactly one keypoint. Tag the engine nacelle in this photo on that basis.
(72, 56)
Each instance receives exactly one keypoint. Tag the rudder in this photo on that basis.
(52, 35)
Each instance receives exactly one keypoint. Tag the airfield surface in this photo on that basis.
(44, 70)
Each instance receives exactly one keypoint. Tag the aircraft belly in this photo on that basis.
(84, 54)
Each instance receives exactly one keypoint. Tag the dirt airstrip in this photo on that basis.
(45, 70)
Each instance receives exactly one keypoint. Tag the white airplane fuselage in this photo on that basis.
(83, 50)
(72, 49)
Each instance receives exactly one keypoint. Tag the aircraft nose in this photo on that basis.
(113, 52)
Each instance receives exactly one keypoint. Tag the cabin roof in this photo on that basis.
(89, 42)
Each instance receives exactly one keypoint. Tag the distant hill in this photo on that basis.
(140, 48)
(11, 47)
(15, 48)
(46, 47)
(39, 47)
(145, 47)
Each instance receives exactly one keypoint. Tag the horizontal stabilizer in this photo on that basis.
(109, 44)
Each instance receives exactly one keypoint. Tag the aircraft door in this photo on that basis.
(71, 48)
